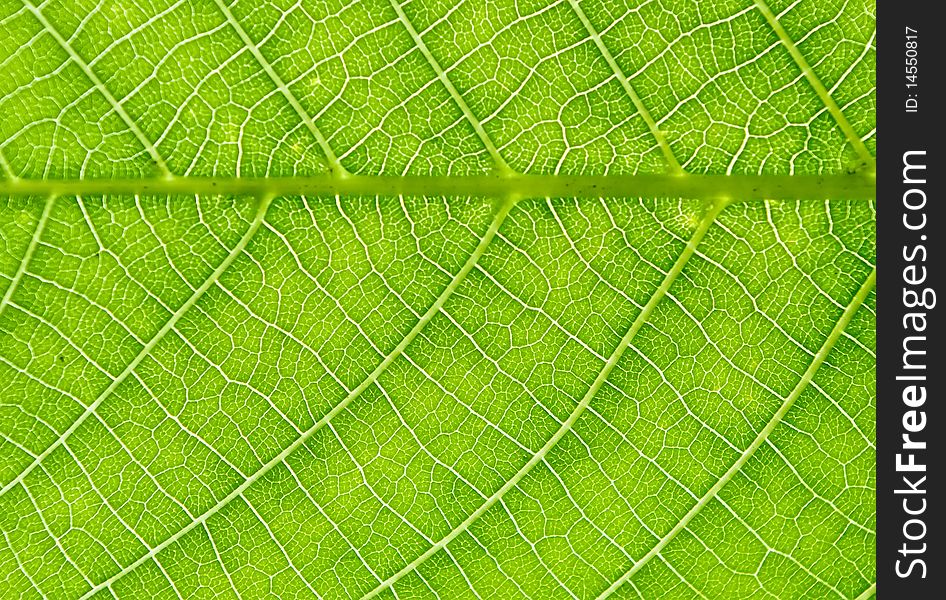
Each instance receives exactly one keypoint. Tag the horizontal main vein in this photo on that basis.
(858, 186)
(712, 211)
(502, 209)
(147, 348)
(760, 439)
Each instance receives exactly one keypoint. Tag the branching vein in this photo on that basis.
(502, 210)
(710, 216)
(760, 439)
(168, 326)
(853, 138)
(101, 87)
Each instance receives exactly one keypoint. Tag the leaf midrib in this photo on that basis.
(726, 188)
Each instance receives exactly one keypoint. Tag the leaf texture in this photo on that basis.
(503, 299)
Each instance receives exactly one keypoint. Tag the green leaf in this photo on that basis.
(478, 299)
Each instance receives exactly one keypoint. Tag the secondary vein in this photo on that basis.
(101, 87)
(762, 436)
(30, 249)
(330, 156)
(870, 592)
(712, 211)
(234, 253)
(501, 211)
(819, 87)
(477, 125)
(5, 167)
(628, 89)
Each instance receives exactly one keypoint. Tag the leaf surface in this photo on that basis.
(503, 299)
